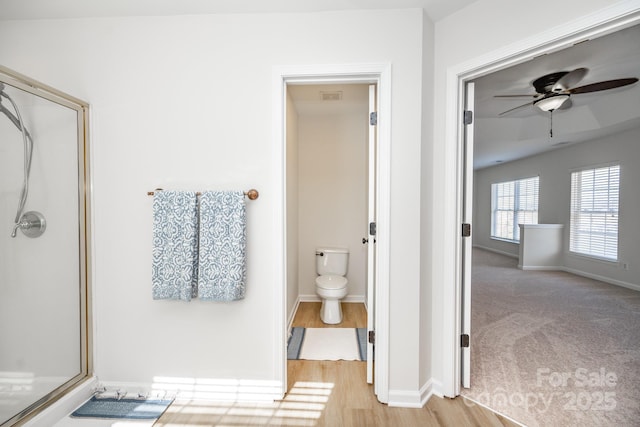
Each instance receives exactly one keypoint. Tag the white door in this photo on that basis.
(371, 238)
(467, 209)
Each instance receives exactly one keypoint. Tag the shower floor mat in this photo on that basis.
(136, 409)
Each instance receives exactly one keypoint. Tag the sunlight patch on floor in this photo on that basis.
(302, 406)
(218, 389)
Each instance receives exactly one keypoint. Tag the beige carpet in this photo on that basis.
(552, 348)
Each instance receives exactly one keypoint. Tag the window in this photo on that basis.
(594, 212)
(513, 203)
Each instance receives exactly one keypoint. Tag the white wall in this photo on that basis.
(485, 31)
(332, 157)
(185, 102)
(554, 169)
(426, 194)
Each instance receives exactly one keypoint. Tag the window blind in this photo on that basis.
(594, 212)
(513, 203)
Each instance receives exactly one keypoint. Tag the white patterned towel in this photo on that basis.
(221, 266)
(175, 245)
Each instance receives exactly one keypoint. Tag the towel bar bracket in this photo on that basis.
(252, 194)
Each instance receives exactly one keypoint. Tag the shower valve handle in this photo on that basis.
(15, 228)
(32, 224)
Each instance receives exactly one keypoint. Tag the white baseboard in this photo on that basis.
(541, 267)
(65, 405)
(426, 391)
(436, 388)
(309, 298)
(316, 298)
(134, 388)
(602, 278)
(581, 273)
(411, 399)
(605, 279)
(239, 390)
(292, 316)
(405, 399)
(486, 248)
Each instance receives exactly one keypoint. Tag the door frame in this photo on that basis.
(605, 21)
(380, 74)
(467, 244)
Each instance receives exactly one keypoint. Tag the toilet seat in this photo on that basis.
(330, 282)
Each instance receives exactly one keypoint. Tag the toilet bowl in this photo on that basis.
(331, 285)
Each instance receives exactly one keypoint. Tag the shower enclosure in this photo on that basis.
(44, 309)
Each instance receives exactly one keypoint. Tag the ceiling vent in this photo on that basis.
(331, 96)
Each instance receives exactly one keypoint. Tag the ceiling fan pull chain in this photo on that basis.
(551, 124)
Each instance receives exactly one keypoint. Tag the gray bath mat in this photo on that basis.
(139, 409)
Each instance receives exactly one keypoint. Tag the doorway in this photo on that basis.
(330, 150)
(483, 70)
(291, 295)
(326, 183)
(499, 364)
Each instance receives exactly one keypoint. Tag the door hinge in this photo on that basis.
(466, 230)
(373, 118)
(372, 228)
(468, 117)
(464, 340)
(372, 337)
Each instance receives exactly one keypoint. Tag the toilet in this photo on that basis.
(331, 283)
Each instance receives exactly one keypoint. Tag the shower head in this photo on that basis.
(10, 115)
(28, 154)
(2, 93)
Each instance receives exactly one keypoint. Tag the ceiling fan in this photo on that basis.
(553, 91)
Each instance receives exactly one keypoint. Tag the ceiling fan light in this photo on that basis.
(551, 103)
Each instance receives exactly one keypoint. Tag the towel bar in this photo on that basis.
(251, 194)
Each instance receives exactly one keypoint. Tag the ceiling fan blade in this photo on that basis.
(569, 80)
(515, 108)
(604, 85)
(517, 96)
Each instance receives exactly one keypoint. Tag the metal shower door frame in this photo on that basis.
(81, 108)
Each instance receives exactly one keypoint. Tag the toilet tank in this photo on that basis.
(332, 261)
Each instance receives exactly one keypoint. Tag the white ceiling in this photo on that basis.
(55, 9)
(525, 132)
(497, 139)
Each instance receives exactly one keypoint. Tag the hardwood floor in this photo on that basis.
(308, 316)
(331, 394)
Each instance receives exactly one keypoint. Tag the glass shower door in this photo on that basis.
(43, 283)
